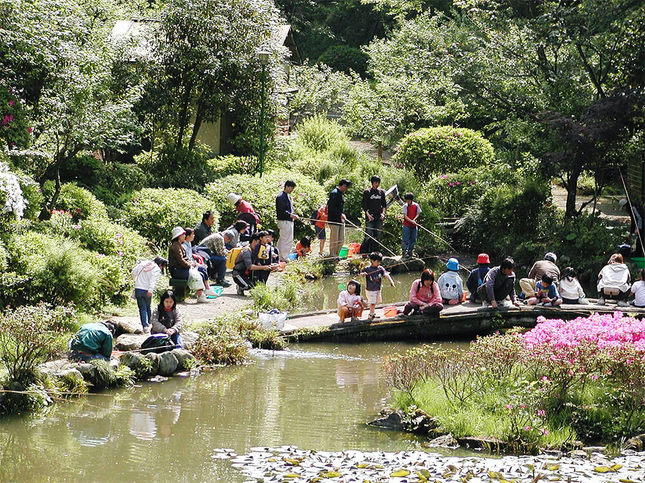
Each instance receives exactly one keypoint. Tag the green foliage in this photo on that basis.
(284, 296)
(28, 337)
(319, 133)
(345, 59)
(261, 192)
(223, 166)
(437, 150)
(60, 272)
(80, 203)
(221, 342)
(15, 132)
(155, 212)
(103, 376)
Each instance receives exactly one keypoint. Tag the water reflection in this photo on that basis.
(171, 429)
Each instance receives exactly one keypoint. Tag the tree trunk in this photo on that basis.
(183, 115)
(199, 118)
(571, 187)
(379, 152)
(45, 213)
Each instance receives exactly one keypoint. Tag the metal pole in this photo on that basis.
(262, 111)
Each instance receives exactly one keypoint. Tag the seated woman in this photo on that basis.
(93, 341)
(350, 302)
(425, 297)
(614, 280)
(570, 289)
(166, 318)
(179, 264)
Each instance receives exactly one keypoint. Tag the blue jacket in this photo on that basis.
(476, 278)
(283, 207)
(541, 292)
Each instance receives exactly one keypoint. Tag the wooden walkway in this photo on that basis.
(459, 322)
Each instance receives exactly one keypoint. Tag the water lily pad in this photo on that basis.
(552, 467)
(330, 474)
(400, 473)
(602, 469)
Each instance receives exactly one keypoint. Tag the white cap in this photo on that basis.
(176, 231)
(233, 198)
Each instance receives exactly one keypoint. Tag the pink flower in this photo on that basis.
(527, 428)
(30, 129)
(11, 103)
(458, 183)
(509, 407)
(444, 176)
(541, 412)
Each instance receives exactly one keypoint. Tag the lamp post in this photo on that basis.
(264, 60)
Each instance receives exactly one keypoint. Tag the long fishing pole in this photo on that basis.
(631, 207)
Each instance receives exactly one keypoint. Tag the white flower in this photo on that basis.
(9, 185)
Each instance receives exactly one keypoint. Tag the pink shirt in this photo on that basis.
(423, 294)
(345, 298)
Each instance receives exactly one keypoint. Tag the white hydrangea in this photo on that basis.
(10, 186)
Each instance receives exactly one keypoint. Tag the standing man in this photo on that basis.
(204, 228)
(286, 217)
(374, 206)
(336, 217)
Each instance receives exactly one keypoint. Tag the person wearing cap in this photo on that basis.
(179, 265)
(476, 277)
(539, 268)
(214, 248)
(205, 228)
(374, 206)
(336, 216)
(450, 283)
(145, 275)
(286, 216)
(499, 283)
(247, 213)
(93, 341)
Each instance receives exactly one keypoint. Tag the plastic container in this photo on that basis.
(350, 252)
(343, 251)
(355, 247)
(639, 262)
(390, 311)
(292, 256)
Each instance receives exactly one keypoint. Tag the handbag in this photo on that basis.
(195, 281)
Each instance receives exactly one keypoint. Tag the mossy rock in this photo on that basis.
(142, 366)
(154, 359)
(168, 364)
(185, 359)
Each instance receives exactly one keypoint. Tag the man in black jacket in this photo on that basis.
(336, 217)
(286, 216)
(374, 206)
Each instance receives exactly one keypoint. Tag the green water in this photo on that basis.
(314, 397)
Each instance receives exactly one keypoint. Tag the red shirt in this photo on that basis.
(246, 207)
(411, 212)
(321, 216)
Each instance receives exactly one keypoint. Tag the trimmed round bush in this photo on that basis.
(438, 150)
(79, 202)
(261, 193)
(154, 212)
(226, 165)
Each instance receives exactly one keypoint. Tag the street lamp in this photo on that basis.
(264, 60)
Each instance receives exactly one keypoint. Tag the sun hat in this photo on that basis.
(483, 258)
(453, 264)
(233, 198)
(551, 256)
(176, 231)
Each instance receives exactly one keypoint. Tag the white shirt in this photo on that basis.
(145, 275)
(638, 289)
(571, 289)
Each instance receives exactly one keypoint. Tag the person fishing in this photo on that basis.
(374, 206)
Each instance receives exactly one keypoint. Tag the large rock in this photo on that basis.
(189, 339)
(88, 371)
(55, 367)
(445, 441)
(130, 342)
(71, 375)
(393, 421)
(636, 443)
(185, 359)
(168, 364)
(128, 327)
(154, 359)
(139, 364)
(399, 265)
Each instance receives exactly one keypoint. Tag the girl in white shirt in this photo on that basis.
(638, 289)
(570, 289)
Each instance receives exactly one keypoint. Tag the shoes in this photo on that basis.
(223, 283)
(548, 304)
(601, 301)
(202, 299)
(240, 290)
(622, 303)
(146, 329)
(372, 317)
(210, 291)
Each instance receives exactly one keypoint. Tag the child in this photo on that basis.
(411, 211)
(638, 289)
(545, 293)
(350, 302)
(425, 297)
(476, 277)
(570, 289)
(303, 247)
(319, 226)
(450, 284)
(373, 274)
(274, 256)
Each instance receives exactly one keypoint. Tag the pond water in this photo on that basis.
(313, 397)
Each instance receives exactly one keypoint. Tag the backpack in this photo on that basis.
(233, 255)
(157, 343)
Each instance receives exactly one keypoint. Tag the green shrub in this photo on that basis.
(60, 272)
(220, 341)
(227, 165)
(261, 193)
(320, 134)
(154, 212)
(103, 376)
(79, 203)
(119, 179)
(438, 150)
(100, 235)
(284, 296)
(345, 58)
(28, 337)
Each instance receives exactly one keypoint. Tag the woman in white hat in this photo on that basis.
(179, 264)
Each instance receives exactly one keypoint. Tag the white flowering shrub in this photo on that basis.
(10, 191)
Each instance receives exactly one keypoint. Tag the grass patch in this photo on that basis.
(282, 297)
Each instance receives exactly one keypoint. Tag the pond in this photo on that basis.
(313, 397)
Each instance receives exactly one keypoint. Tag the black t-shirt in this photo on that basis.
(374, 202)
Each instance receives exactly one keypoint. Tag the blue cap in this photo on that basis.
(453, 264)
